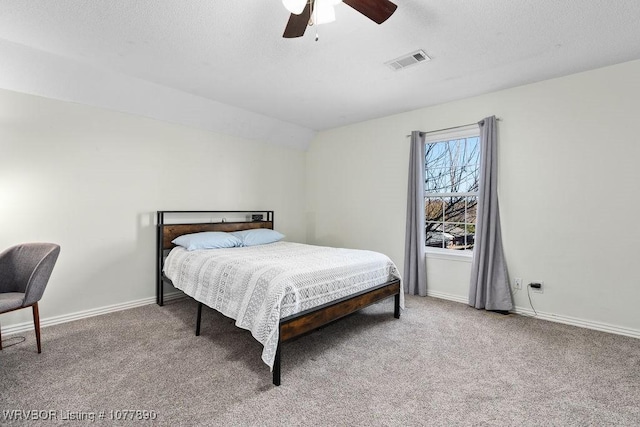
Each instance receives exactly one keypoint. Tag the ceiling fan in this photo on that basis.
(310, 12)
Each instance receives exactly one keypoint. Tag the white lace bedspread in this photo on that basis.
(258, 285)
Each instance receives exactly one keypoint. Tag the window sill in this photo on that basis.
(450, 255)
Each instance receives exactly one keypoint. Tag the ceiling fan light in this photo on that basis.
(294, 6)
(323, 12)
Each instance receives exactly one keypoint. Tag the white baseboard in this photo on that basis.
(55, 320)
(582, 323)
(450, 297)
(567, 320)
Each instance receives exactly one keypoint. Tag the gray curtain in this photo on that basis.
(489, 279)
(415, 276)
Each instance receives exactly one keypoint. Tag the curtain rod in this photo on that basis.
(454, 127)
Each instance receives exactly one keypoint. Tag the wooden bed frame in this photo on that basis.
(292, 326)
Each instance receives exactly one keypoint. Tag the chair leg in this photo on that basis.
(36, 323)
(0, 338)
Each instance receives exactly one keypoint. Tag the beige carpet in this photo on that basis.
(441, 364)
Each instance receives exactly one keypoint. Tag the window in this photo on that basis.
(452, 161)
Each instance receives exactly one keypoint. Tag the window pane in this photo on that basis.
(455, 235)
(452, 166)
(455, 209)
(435, 237)
(472, 209)
(461, 239)
(434, 209)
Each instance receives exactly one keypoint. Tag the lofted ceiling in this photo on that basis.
(190, 60)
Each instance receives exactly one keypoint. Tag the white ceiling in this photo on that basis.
(227, 58)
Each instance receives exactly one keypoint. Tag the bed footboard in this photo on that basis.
(309, 320)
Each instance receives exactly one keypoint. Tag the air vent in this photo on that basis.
(408, 60)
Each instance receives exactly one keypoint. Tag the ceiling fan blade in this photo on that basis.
(376, 10)
(297, 24)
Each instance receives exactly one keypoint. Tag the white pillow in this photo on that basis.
(207, 240)
(258, 236)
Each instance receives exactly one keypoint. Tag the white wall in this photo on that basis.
(568, 177)
(91, 180)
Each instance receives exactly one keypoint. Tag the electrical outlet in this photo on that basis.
(535, 288)
(517, 283)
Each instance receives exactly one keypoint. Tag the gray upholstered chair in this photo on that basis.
(24, 272)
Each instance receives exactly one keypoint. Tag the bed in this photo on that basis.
(278, 291)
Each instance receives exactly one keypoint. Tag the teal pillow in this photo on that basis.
(207, 240)
(258, 236)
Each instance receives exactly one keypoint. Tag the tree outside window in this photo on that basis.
(451, 190)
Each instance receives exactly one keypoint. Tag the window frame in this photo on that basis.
(462, 132)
